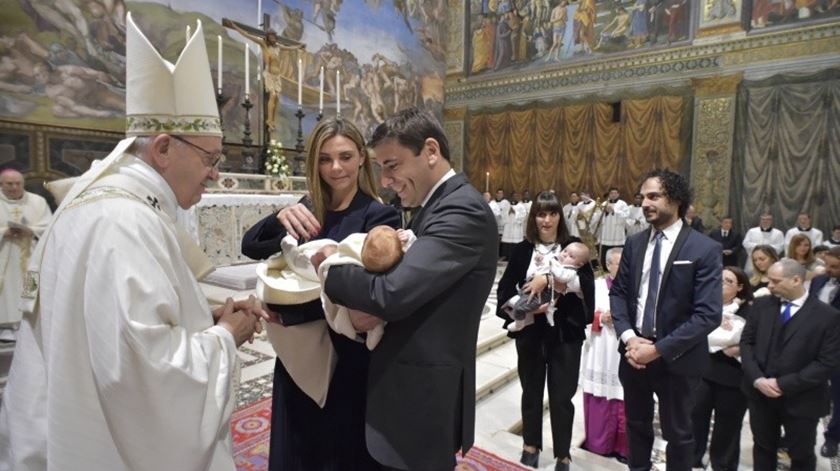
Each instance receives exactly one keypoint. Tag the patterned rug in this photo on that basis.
(251, 427)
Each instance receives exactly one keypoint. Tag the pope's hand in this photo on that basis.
(318, 258)
(299, 221)
(240, 324)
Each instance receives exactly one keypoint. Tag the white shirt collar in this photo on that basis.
(671, 232)
(446, 176)
(798, 302)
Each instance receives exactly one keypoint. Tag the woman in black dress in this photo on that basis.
(545, 350)
(341, 201)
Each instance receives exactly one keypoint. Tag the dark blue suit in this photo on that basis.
(833, 430)
(305, 437)
(687, 310)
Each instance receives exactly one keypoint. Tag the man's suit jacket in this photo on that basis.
(689, 303)
(817, 285)
(732, 242)
(421, 383)
(809, 354)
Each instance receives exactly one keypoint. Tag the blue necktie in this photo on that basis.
(653, 287)
(785, 315)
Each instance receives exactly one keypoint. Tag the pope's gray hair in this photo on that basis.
(791, 268)
(613, 252)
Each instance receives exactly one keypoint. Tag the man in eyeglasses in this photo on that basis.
(120, 362)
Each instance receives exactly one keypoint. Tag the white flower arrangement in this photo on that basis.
(276, 164)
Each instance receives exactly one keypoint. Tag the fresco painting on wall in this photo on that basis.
(720, 12)
(63, 63)
(515, 34)
(766, 13)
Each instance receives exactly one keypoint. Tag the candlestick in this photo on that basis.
(259, 13)
(188, 34)
(247, 71)
(300, 82)
(321, 92)
(246, 139)
(219, 69)
(487, 182)
(337, 92)
(299, 147)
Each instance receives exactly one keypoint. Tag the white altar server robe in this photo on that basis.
(31, 211)
(123, 369)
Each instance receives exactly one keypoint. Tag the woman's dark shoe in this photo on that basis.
(561, 466)
(530, 459)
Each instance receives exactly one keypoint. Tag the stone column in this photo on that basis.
(714, 131)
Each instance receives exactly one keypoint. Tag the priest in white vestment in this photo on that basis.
(120, 363)
(23, 218)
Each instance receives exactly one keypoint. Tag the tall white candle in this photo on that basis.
(259, 13)
(321, 92)
(219, 70)
(247, 71)
(188, 33)
(337, 92)
(300, 82)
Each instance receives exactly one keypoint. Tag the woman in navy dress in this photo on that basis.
(342, 201)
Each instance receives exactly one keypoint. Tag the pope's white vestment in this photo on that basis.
(123, 368)
(31, 211)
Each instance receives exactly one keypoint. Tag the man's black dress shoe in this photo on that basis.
(530, 459)
(829, 448)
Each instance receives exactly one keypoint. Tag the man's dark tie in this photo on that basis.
(785, 315)
(653, 287)
(725, 234)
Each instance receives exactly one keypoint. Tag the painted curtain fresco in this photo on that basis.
(63, 62)
(515, 34)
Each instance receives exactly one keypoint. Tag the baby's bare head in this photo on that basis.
(576, 254)
(382, 249)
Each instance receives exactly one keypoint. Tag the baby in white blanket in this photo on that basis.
(377, 251)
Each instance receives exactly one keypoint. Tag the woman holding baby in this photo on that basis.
(342, 200)
(719, 390)
(545, 350)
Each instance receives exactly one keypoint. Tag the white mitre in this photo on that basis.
(165, 98)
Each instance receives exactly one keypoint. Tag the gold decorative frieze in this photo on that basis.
(719, 85)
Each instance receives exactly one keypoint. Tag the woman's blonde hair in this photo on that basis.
(319, 192)
(766, 250)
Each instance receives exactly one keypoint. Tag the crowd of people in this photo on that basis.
(120, 363)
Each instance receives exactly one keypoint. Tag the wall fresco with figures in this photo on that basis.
(516, 34)
(63, 63)
(772, 13)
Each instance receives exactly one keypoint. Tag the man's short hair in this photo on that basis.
(675, 187)
(612, 252)
(833, 252)
(411, 127)
(792, 268)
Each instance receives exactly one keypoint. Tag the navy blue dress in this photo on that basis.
(305, 437)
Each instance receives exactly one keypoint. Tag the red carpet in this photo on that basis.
(251, 427)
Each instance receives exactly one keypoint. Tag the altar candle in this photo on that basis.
(300, 82)
(259, 13)
(247, 71)
(188, 33)
(219, 70)
(487, 182)
(337, 92)
(321, 92)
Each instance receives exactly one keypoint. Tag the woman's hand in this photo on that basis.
(733, 351)
(541, 310)
(536, 286)
(299, 221)
(606, 318)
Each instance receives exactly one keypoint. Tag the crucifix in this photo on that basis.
(280, 56)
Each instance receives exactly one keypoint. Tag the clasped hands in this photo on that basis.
(640, 351)
(241, 318)
(769, 387)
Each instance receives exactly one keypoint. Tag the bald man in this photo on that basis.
(23, 218)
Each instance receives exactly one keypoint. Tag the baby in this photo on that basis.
(562, 268)
(377, 251)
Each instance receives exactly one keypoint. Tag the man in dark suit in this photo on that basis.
(729, 240)
(826, 288)
(665, 301)
(421, 382)
(790, 347)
